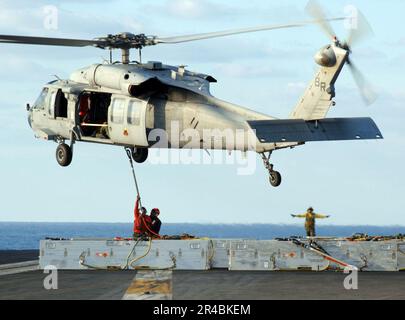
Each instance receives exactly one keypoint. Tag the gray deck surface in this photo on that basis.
(73, 285)
(227, 285)
(211, 285)
(200, 285)
(11, 256)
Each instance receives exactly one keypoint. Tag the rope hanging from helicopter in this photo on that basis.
(129, 154)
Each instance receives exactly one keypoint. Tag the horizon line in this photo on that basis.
(212, 223)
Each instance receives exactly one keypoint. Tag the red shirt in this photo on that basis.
(139, 222)
(84, 108)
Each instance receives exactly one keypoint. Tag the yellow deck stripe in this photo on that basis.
(150, 285)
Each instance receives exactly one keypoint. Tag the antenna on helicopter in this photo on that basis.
(105, 61)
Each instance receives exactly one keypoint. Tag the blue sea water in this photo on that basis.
(25, 236)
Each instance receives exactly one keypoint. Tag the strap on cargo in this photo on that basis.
(323, 254)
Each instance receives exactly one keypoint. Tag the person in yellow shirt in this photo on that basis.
(310, 217)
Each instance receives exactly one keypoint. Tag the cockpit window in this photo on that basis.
(40, 102)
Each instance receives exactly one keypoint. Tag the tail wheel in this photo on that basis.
(64, 155)
(140, 155)
(275, 178)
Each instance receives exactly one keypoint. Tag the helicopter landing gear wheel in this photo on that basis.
(275, 176)
(140, 155)
(64, 155)
(275, 179)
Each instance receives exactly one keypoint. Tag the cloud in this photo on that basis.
(191, 9)
(235, 70)
(392, 99)
(259, 50)
(28, 17)
(214, 10)
(18, 69)
(15, 20)
(294, 88)
(399, 42)
(369, 53)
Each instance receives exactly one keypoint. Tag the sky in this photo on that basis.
(360, 182)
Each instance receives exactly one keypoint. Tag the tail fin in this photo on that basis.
(317, 99)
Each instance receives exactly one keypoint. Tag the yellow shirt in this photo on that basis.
(310, 218)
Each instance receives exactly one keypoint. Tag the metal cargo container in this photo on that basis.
(273, 255)
(81, 254)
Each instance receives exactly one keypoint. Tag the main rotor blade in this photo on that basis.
(203, 36)
(48, 41)
(315, 10)
(360, 29)
(366, 90)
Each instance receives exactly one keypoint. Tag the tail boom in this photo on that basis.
(317, 99)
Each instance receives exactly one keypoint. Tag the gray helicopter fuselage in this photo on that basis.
(142, 106)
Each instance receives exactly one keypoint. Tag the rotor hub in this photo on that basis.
(124, 40)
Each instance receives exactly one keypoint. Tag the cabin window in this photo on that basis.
(92, 109)
(134, 113)
(118, 108)
(40, 102)
(61, 105)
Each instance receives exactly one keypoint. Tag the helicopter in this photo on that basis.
(152, 105)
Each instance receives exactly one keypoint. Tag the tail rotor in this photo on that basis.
(360, 30)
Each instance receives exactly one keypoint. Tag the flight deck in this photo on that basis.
(205, 269)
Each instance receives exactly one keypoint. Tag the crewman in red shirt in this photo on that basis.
(84, 108)
(142, 220)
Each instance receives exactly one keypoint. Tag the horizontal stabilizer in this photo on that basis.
(277, 131)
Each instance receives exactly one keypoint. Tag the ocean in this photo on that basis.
(26, 235)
